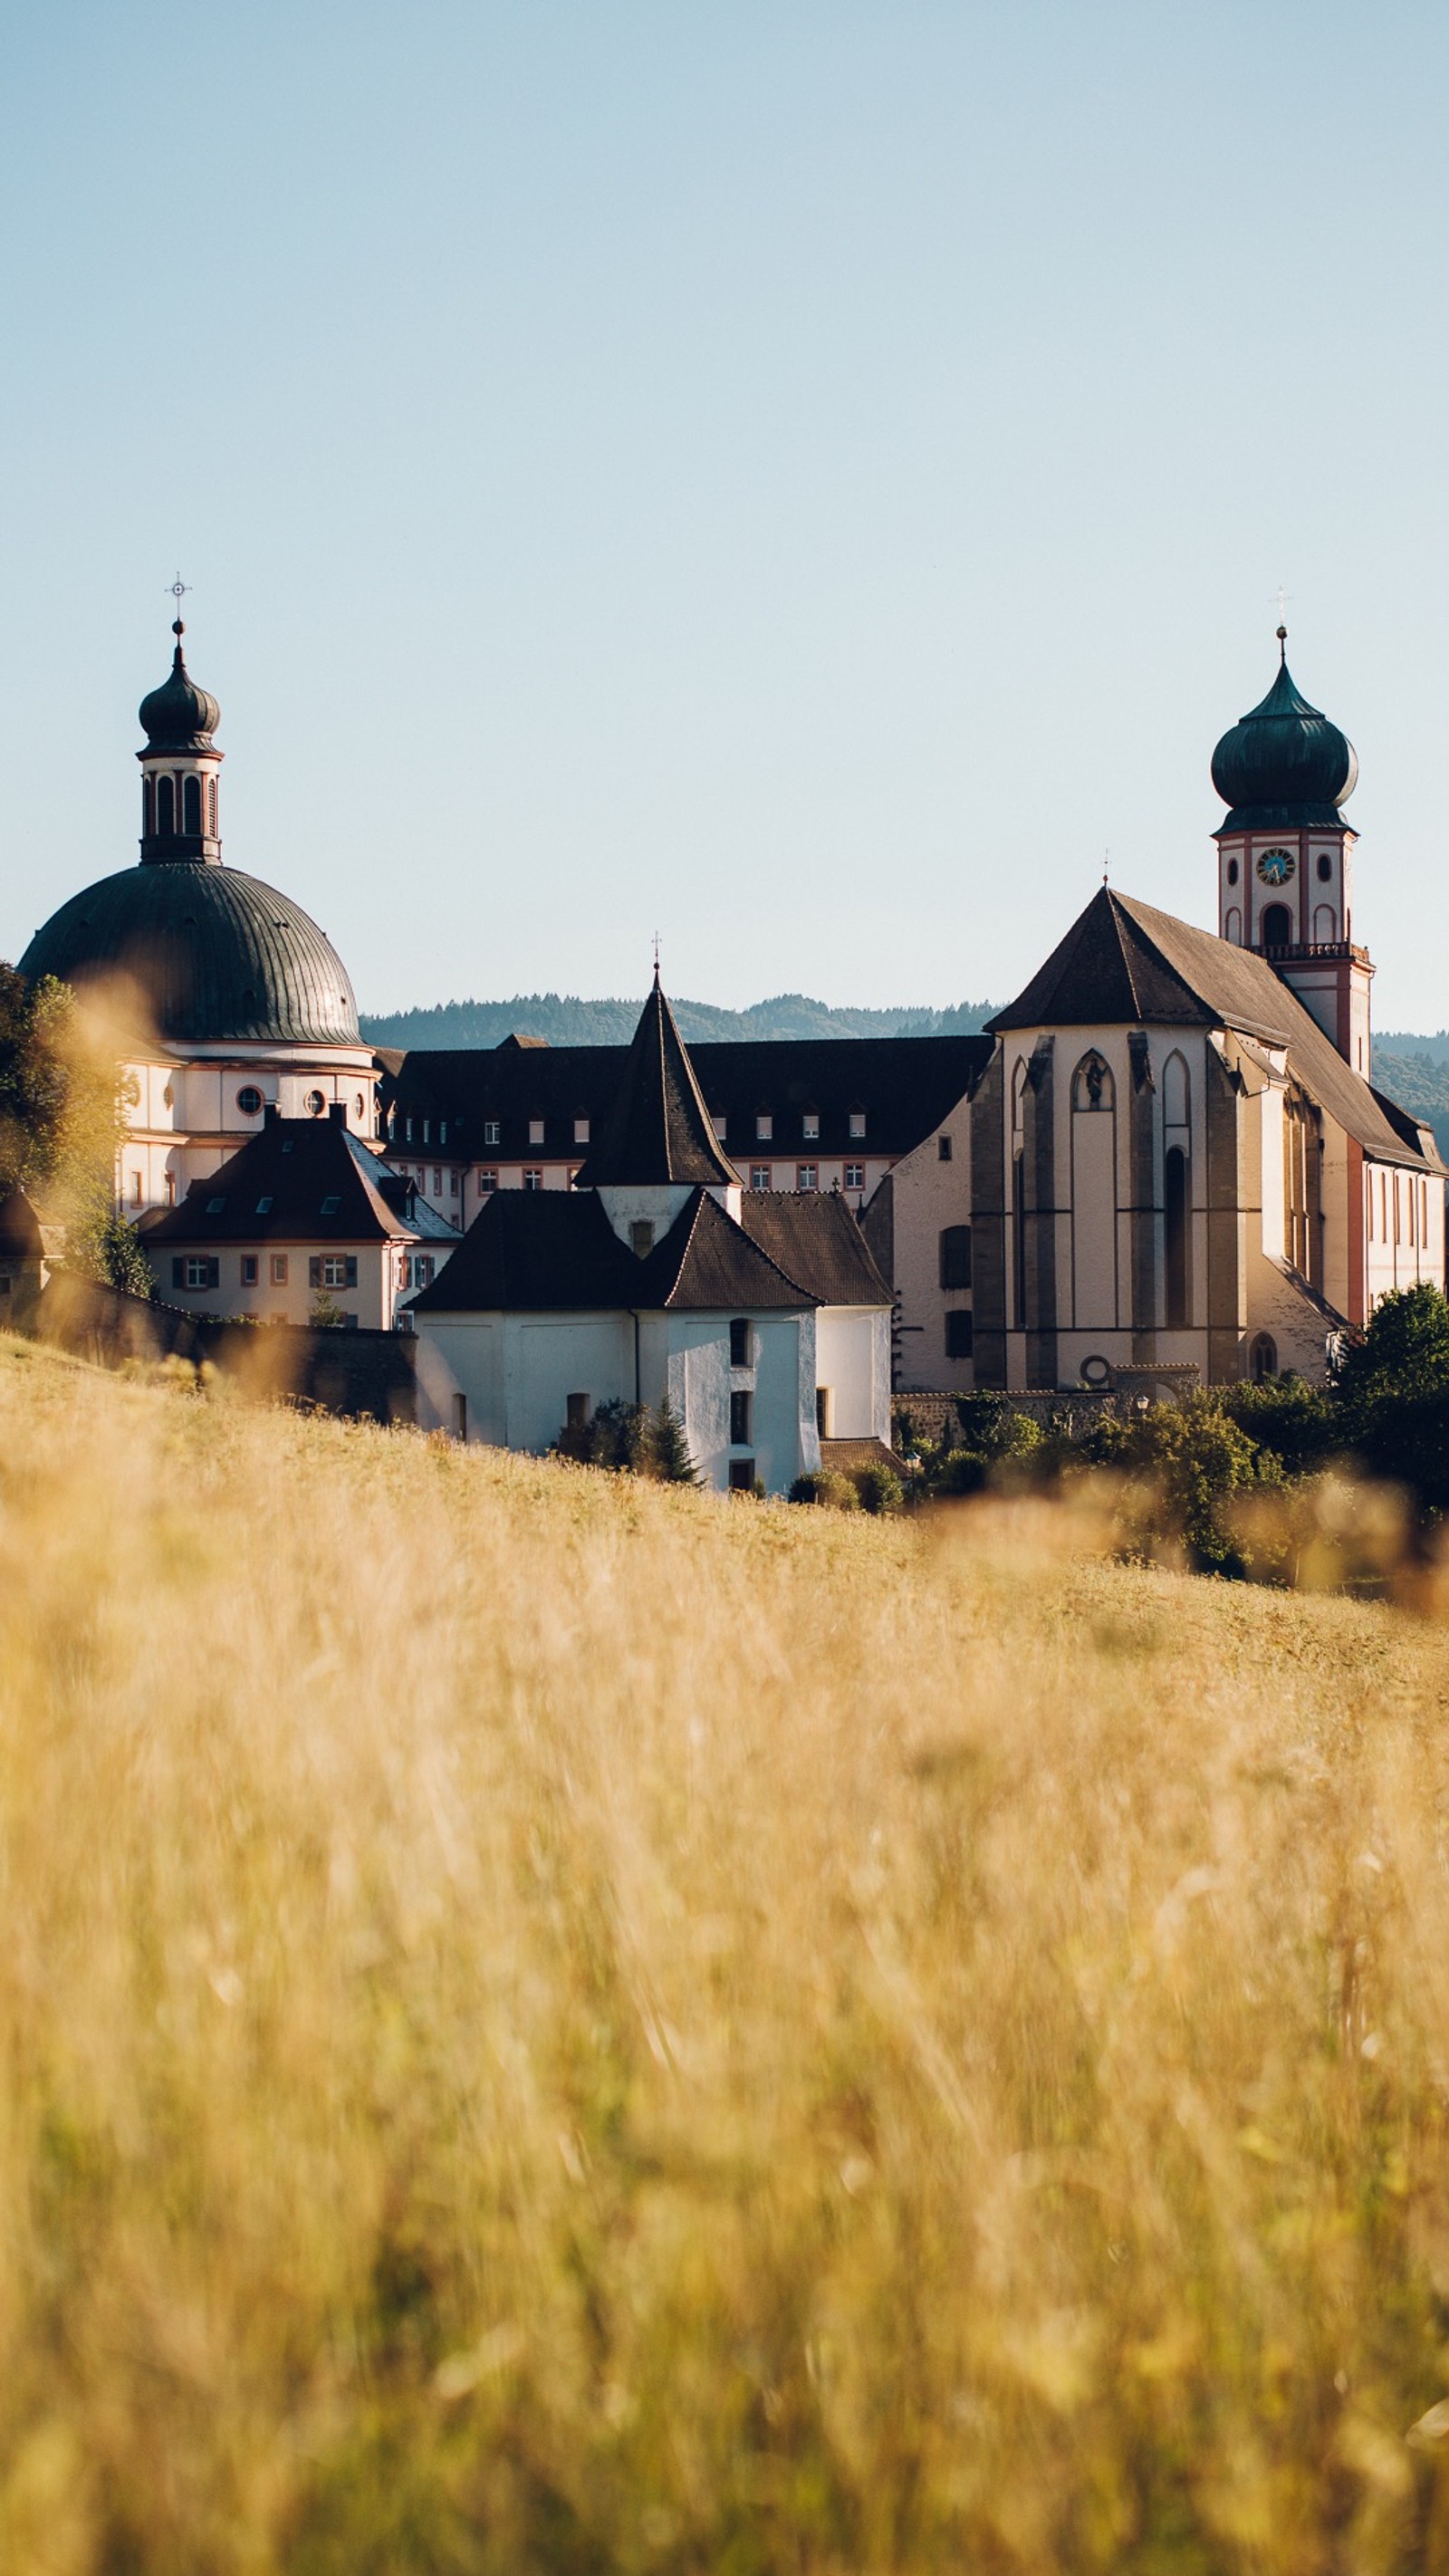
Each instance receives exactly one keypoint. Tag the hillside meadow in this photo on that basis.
(555, 2025)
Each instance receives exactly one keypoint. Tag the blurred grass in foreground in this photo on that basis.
(554, 2025)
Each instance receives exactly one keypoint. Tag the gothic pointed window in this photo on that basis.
(1176, 1221)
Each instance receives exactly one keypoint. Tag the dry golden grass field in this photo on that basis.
(553, 2025)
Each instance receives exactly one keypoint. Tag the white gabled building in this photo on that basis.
(760, 1319)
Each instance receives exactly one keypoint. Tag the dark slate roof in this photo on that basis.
(905, 1086)
(211, 954)
(657, 1127)
(297, 1163)
(817, 1241)
(20, 1235)
(1123, 961)
(555, 1252)
(1284, 766)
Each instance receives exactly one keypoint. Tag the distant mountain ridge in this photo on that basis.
(566, 1020)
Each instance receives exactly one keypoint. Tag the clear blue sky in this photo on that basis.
(801, 475)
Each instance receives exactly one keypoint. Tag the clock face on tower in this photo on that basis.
(1275, 867)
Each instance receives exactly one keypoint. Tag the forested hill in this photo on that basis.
(564, 1020)
(1415, 1072)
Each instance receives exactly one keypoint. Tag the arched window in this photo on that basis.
(1263, 1358)
(1018, 1097)
(165, 808)
(1233, 926)
(1324, 924)
(1277, 926)
(1018, 1233)
(1092, 1086)
(148, 805)
(1177, 1218)
(191, 804)
(1175, 1091)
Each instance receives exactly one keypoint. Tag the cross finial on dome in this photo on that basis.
(178, 590)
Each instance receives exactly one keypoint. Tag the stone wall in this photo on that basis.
(361, 1374)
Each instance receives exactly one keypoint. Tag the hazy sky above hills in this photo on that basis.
(804, 478)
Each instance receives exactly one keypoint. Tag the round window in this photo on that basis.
(314, 1104)
(1325, 867)
(361, 1106)
(249, 1100)
(1096, 1371)
(1232, 872)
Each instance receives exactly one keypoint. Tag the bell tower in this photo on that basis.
(1285, 857)
(180, 769)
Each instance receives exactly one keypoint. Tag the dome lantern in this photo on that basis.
(180, 769)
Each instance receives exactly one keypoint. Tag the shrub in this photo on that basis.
(1187, 1461)
(824, 1485)
(1286, 1415)
(632, 1440)
(878, 1488)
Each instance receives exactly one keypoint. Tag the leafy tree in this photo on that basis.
(1297, 1422)
(1189, 1461)
(60, 1124)
(1404, 1353)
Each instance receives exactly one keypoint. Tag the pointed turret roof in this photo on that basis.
(658, 1128)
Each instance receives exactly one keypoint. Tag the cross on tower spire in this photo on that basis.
(178, 589)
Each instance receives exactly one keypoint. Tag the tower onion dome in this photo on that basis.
(1284, 765)
(179, 716)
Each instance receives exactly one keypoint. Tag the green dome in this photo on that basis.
(1284, 765)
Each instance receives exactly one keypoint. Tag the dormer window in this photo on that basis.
(581, 1131)
(721, 1125)
(857, 1122)
(764, 1127)
(442, 1131)
(641, 1237)
(810, 1126)
(492, 1131)
(535, 1131)
(427, 1131)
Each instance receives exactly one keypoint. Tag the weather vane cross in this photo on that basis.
(178, 589)
(1283, 598)
(656, 956)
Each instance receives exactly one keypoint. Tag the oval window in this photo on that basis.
(249, 1100)
(314, 1104)
(1232, 872)
(1325, 867)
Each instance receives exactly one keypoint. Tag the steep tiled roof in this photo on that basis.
(904, 1087)
(555, 1252)
(1123, 961)
(657, 1128)
(816, 1240)
(298, 1166)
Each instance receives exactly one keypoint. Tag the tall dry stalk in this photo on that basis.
(555, 2025)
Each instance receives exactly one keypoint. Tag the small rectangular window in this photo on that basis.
(442, 1131)
(249, 1269)
(958, 1333)
(576, 1412)
(955, 1256)
(742, 1475)
(855, 1176)
(810, 1126)
(487, 1181)
(135, 1189)
(807, 1176)
(943, 1149)
(279, 1270)
(764, 1127)
(720, 1124)
(452, 1185)
(422, 1270)
(581, 1131)
(492, 1131)
(264, 1207)
(460, 1417)
(535, 1131)
(427, 1131)
(641, 1237)
(214, 1207)
(409, 1137)
(759, 1176)
(437, 1182)
(740, 1342)
(857, 1122)
(533, 1180)
(740, 1406)
(331, 1205)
